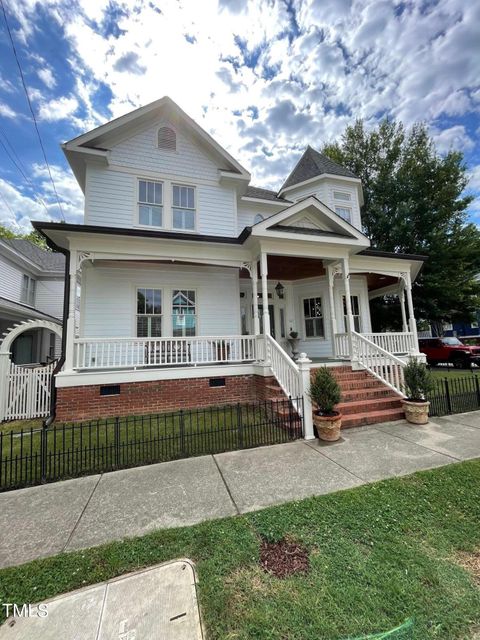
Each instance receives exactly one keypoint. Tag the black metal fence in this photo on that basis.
(455, 395)
(35, 456)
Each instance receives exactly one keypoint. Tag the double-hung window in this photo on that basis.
(355, 313)
(184, 319)
(343, 207)
(183, 207)
(150, 203)
(27, 295)
(149, 313)
(313, 316)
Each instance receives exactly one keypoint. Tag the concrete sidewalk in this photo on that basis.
(74, 514)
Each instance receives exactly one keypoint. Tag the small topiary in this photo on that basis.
(325, 392)
(418, 381)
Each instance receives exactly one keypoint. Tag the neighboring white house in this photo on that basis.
(31, 288)
(192, 279)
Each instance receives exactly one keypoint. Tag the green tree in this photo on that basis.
(33, 236)
(415, 203)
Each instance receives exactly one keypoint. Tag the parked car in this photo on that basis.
(449, 350)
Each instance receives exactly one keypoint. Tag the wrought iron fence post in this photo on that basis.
(43, 453)
(447, 395)
(116, 442)
(239, 426)
(477, 387)
(290, 417)
(182, 433)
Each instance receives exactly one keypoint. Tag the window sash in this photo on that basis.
(183, 207)
(149, 312)
(150, 203)
(184, 318)
(27, 294)
(357, 321)
(342, 195)
(344, 212)
(313, 318)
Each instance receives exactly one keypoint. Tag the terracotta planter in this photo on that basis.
(416, 412)
(328, 427)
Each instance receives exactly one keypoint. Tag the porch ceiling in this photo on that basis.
(288, 268)
(379, 281)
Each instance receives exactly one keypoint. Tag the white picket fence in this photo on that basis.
(26, 392)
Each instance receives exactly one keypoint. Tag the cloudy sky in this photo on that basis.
(264, 77)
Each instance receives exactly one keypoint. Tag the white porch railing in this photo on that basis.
(283, 368)
(398, 343)
(383, 365)
(130, 353)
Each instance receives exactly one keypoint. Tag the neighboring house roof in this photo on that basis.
(313, 164)
(45, 260)
(24, 310)
(263, 194)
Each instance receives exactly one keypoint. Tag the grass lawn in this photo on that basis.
(378, 555)
(453, 374)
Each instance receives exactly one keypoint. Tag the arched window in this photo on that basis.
(258, 218)
(167, 139)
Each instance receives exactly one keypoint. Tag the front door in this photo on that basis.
(271, 313)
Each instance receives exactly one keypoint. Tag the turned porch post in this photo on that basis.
(401, 297)
(348, 303)
(264, 272)
(333, 320)
(411, 314)
(254, 277)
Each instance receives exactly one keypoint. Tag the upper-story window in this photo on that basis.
(183, 207)
(167, 139)
(150, 203)
(27, 295)
(343, 208)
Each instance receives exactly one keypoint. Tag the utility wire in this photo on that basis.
(7, 205)
(30, 107)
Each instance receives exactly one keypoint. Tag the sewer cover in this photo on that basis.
(158, 602)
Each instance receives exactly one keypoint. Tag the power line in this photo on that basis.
(31, 108)
(7, 205)
(20, 167)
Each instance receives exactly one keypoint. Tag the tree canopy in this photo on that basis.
(33, 236)
(415, 203)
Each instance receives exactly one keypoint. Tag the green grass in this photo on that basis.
(453, 374)
(90, 447)
(379, 554)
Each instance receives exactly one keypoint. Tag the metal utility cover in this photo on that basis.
(159, 602)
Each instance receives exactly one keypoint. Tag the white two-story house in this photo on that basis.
(31, 288)
(192, 279)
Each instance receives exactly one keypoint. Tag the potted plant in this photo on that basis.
(325, 394)
(417, 383)
(293, 341)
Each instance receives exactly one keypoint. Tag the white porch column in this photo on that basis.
(254, 277)
(264, 273)
(348, 304)
(333, 320)
(71, 311)
(401, 297)
(303, 363)
(411, 314)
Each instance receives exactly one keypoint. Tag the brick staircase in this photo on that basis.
(365, 400)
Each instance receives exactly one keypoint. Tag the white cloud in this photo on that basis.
(455, 137)
(7, 112)
(58, 109)
(474, 182)
(47, 77)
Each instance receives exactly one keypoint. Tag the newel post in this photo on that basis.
(4, 383)
(303, 363)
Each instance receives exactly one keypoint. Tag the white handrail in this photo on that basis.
(128, 353)
(283, 368)
(393, 341)
(379, 362)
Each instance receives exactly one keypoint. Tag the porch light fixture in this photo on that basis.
(280, 289)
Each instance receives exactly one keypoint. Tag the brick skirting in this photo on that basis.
(142, 398)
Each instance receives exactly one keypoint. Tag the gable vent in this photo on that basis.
(167, 139)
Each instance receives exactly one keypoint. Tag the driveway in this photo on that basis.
(84, 512)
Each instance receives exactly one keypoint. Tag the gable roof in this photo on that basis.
(313, 164)
(264, 194)
(45, 260)
(96, 141)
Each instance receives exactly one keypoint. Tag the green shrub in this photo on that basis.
(325, 391)
(418, 380)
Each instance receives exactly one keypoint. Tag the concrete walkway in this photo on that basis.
(74, 514)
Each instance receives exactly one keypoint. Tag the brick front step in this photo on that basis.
(369, 405)
(350, 395)
(372, 417)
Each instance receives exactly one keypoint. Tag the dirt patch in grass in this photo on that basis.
(283, 558)
(471, 562)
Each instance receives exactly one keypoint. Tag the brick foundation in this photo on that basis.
(142, 398)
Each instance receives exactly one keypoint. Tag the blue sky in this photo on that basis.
(265, 78)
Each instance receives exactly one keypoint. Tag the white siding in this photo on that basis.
(110, 197)
(10, 279)
(49, 297)
(248, 210)
(109, 292)
(216, 210)
(141, 152)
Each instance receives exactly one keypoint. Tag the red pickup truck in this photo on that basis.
(449, 350)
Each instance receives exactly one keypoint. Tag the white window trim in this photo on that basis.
(355, 315)
(138, 203)
(310, 338)
(179, 183)
(183, 288)
(31, 291)
(136, 314)
(350, 208)
(345, 193)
